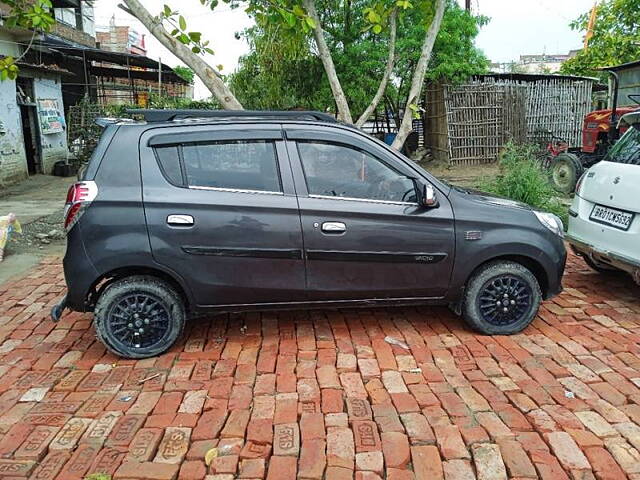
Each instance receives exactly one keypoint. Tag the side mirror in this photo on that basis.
(425, 194)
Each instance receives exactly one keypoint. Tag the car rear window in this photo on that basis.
(230, 164)
(238, 164)
(627, 149)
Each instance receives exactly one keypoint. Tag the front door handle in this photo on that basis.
(180, 220)
(334, 227)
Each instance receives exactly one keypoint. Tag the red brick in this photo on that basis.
(17, 434)
(236, 424)
(312, 459)
(225, 464)
(332, 401)
(36, 445)
(366, 437)
(450, 442)
(427, 464)
(516, 459)
(340, 447)
(260, 430)
(282, 468)
(146, 471)
(312, 426)
(209, 425)
(80, 462)
(144, 444)
(395, 446)
(604, 465)
(125, 429)
(192, 470)
(51, 465)
(252, 468)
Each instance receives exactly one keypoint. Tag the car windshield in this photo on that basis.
(627, 150)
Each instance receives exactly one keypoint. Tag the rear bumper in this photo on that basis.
(600, 255)
(58, 309)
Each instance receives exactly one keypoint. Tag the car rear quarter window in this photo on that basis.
(169, 160)
(238, 165)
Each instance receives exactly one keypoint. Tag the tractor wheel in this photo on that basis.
(565, 172)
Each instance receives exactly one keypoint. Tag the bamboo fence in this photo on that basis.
(471, 123)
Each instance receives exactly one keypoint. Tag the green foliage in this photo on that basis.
(33, 15)
(179, 31)
(522, 179)
(282, 72)
(185, 73)
(98, 476)
(616, 38)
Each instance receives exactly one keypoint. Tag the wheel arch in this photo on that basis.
(530, 263)
(109, 277)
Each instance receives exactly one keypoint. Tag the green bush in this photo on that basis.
(521, 178)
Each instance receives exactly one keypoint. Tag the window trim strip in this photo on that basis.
(365, 200)
(234, 190)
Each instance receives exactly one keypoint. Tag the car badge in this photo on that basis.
(616, 180)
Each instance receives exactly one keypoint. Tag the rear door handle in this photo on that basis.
(180, 220)
(334, 227)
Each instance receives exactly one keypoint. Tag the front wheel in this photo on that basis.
(501, 298)
(565, 172)
(139, 317)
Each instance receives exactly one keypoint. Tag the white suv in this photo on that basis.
(604, 222)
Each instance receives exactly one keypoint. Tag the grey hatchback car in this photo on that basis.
(189, 212)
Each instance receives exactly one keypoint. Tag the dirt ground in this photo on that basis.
(38, 204)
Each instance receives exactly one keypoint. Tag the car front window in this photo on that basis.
(341, 171)
(627, 150)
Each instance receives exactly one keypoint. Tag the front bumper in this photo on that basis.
(607, 257)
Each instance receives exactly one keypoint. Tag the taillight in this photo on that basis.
(79, 197)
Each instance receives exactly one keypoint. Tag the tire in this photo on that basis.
(599, 267)
(496, 277)
(153, 303)
(565, 172)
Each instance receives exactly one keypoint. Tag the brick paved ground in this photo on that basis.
(313, 394)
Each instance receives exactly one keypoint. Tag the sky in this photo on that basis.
(516, 27)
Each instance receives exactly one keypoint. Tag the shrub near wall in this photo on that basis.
(521, 178)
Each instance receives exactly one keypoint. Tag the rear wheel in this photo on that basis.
(501, 298)
(565, 172)
(139, 317)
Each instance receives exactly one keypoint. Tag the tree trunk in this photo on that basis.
(209, 76)
(419, 74)
(387, 71)
(344, 114)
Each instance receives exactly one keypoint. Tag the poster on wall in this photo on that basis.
(51, 120)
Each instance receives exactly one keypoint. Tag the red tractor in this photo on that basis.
(599, 132)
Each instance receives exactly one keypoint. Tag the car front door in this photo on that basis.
(365, 236)
(221, 212)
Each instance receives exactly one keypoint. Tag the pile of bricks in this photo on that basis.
(321, 394)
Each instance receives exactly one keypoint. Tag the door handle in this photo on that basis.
(180, 220)
(334, 227)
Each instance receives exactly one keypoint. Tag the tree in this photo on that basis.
(187, 45)
(615, 39)
(185, 73)
(34, 15)
(279, 74)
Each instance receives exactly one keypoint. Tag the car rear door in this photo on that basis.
(221, 212)
(365, 236)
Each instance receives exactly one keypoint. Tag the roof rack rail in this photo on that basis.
(160, 115)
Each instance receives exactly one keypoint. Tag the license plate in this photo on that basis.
(611, 216)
